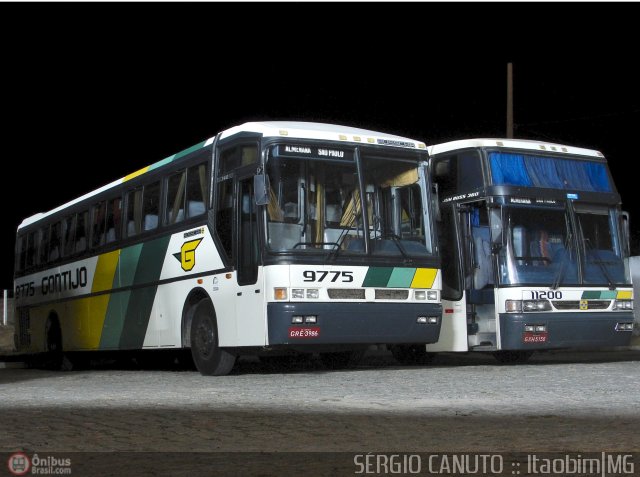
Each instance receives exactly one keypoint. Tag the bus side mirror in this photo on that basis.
(261, 189)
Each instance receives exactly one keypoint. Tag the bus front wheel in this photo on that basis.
(209, 358)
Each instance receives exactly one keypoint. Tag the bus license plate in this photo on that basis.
(530, 337)
(306, 332)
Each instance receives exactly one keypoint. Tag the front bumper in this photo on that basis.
(353, 323)
(565, 330)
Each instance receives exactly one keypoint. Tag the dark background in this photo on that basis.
(92, 92)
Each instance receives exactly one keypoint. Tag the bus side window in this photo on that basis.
(196, 190)
(21, 243)
(224, 216)
(134, 212)
(82, 231)
(151, 205)
(175, 197)
(69, 234)
(114, 220)
(43, 249)
(55, 241)
(98, 229)
(31, 251)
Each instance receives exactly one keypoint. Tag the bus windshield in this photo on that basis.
(316, 204)
(542, 248)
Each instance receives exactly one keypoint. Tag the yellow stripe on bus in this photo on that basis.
(133, 175)
(424, 278)
(624, 295)
(105, 270)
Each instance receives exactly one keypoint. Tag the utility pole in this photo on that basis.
(510, 100)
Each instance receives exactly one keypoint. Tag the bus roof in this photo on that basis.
(283, 129)
(512, 144)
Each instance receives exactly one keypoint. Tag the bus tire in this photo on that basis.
(411, 355)
(209, 358)
(53, 356)
(512, 357)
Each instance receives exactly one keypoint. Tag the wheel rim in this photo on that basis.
(204, 338)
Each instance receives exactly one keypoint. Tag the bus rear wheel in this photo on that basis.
(209, 358)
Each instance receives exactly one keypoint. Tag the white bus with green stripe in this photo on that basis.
(269, 238)
(535, 249)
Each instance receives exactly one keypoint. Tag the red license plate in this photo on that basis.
(530, 337)
(306, 332)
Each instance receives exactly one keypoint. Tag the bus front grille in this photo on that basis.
(386, 294)
(575, 304)
(346, 293)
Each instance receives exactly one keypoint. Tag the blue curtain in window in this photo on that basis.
(598, 176)
(551, 172)
(509, 169)
(543, 172)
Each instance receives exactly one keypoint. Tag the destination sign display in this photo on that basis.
(314, 152)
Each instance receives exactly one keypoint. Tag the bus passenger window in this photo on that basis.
(134, 212)
(43, 250)
(175, 197)
(55, 242)
(69, 234)
(224, 216)
(82, 231)
(98, 228)
(114, 220)
(151, 205)
(196, 190)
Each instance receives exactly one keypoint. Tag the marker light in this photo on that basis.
(311, 319)
(280, 293)
(296, 319)
(623, 304)
(513, 306)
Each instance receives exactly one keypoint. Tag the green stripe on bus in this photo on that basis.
(127, 266)
(401, 278)
(608, 294)
(114, 321)
(141, 301)
(189, 150)
(590, 294)
(377, 277)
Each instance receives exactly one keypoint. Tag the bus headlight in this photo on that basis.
(536, 305)
(297, 293)
(420, 294)
(313, 293)
(623, 304)
(432, 295)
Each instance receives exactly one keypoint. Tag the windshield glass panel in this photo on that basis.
(315, 205)
(603, 262)
(539, 248)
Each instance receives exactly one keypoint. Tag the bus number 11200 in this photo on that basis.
(549, 295)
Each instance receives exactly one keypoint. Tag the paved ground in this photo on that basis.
(462, 403)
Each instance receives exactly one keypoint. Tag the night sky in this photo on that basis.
(92, 92)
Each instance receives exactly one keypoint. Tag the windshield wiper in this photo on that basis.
(568, 245)
(397, 241)
(600, 263)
